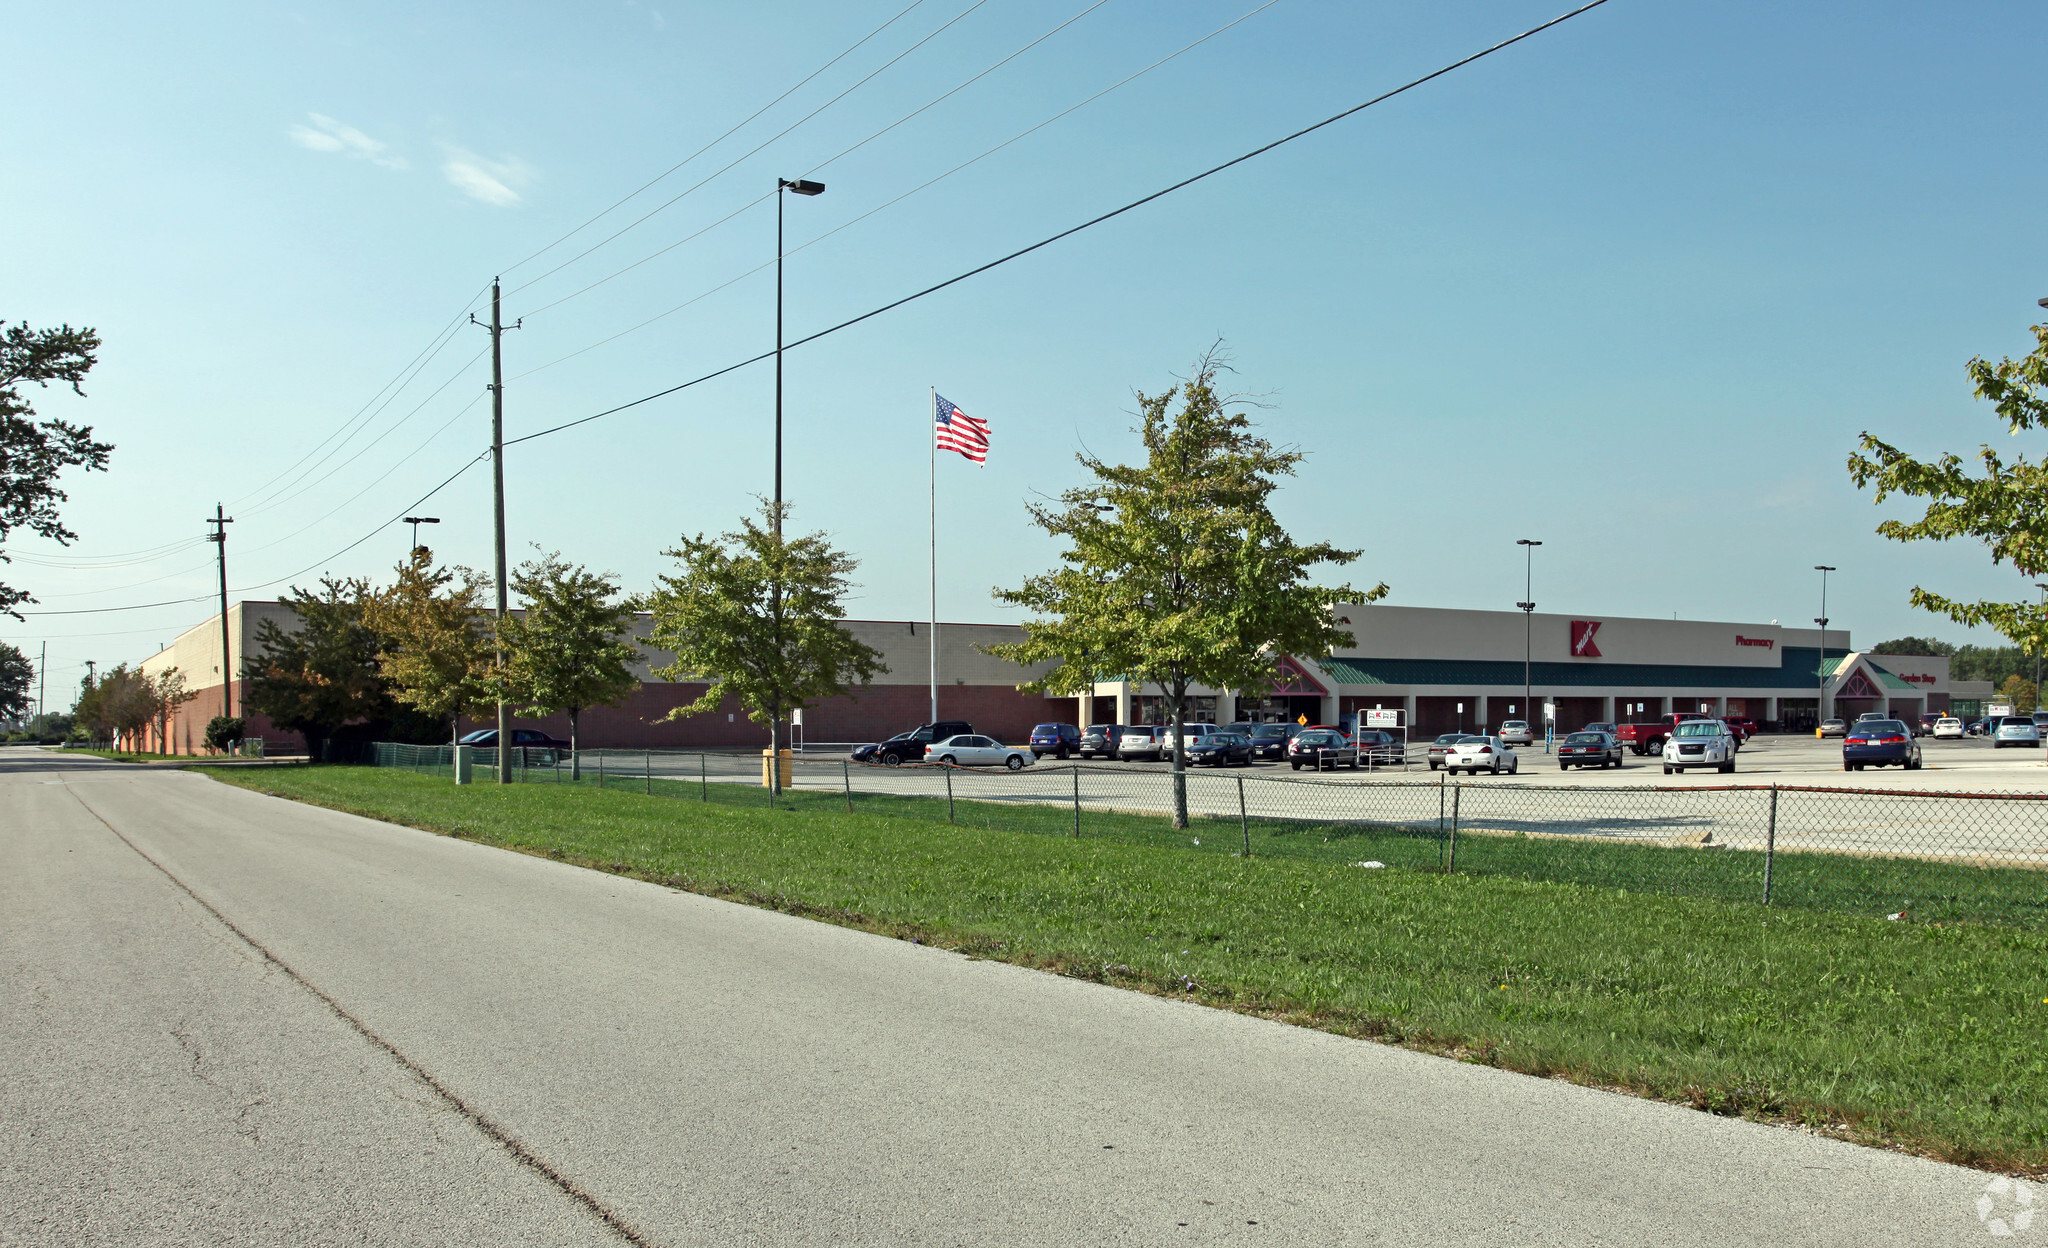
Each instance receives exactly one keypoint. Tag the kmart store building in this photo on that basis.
(1458, 670)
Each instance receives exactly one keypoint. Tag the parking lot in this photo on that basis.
(1968, 765)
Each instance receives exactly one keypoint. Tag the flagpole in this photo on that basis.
(932, 432)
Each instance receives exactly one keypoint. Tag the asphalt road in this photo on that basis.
(230, 1019)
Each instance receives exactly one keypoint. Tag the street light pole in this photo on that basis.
(2044, 603)
(416, 522)
(802, 187)
(1820, 700)
(1528, 612)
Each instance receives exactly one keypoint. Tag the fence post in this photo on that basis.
(600, 769)
(949, 792)
(647, 758)
(1770, 844)
(846, 781)
(1244, 824)
(703, 778)
(1077, 802)
(1456, 791)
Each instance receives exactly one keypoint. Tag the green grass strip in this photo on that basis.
(1918, 1036)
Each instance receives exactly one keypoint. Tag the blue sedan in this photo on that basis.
(1880, 743)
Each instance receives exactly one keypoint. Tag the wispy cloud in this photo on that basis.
(328, 135)
(492, 181)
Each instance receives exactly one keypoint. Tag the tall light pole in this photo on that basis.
(416, 522)
(1528, 612)
(2044, 603)
(801, 186)
(1820, 700)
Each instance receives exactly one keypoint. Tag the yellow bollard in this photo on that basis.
(787, 768)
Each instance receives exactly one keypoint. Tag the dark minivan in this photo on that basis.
(908, 747)
(1058, 740)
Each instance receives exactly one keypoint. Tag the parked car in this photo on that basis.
(1924, 726)
(1868, 716)
(1099, 740)
(973, 750)
(1058, 740)
(522, 738)
(1195, 732)
(1612, 730)
(1981, 727)
(1270, 740)
(1517, 732)
(1880, 743)
(1314, 747)
(1440, 748)
(1948, 728)
(908, 747)
(2015, 730)
(1380, 747)
(1833, 728)
(1649, 736)
(1221, 749)
(1476, 754)
(1141, 741)
(1588, 749)
(1700, 743)
(1742, 726)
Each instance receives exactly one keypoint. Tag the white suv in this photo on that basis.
(1948, 726)
(1700, 743)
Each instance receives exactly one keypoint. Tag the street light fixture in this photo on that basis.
(1528, 609)
(416, 522)
(1820, 701)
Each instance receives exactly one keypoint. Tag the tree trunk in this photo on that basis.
(575, 763)
(1180, 755)
(775, 755)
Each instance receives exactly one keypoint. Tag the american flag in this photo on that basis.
(957, 431)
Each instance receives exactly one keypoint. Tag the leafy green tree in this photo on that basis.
(324, 673)
(2021, 692)
(90, 711)
(1914, 645)
(435, 649)
(1176, 572)
(33, 452)
(1992, 663)
(2006, 507)
(17, 678)
(121, 704)
(756, 614)
(569, 649)
(166, 692)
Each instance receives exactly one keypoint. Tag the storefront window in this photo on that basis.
(1154, 710)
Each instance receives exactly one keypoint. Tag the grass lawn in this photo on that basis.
(1919, 1036)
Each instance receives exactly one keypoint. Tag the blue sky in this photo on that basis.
(1632, 288)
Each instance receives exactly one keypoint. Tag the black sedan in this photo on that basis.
(1270, 740)
(1588, 749)
(1220, 749)
(1880, 743)
(1316, 746)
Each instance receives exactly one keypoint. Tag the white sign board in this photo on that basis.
(1383, 719)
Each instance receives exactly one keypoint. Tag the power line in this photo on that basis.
(801, 83)
(1073, 230)
(757, 148)
(929, 182)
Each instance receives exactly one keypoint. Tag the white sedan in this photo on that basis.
(1948, 726)
(978, 751)
(1477, 754)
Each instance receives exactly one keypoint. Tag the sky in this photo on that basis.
(1632, 287)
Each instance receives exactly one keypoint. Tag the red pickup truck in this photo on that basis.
(1649, 738)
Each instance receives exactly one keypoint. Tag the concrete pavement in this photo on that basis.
(300, 1027)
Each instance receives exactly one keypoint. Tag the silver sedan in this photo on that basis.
(978, 751)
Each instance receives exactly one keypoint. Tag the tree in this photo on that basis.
(165, 693)
(569, 649)
(2006, 508)
(1926, 646)
(33, 452)
(1176, 573)
(222, 731)
(324, 673)
(17, 677)
(121, 703)
(2021, 692)
(755, 614)
(434, 650)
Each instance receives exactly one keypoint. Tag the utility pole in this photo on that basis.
(497, 328)
(220, 522)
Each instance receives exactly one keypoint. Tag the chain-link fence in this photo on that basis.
(1927, 856)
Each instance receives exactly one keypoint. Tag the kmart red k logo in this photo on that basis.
(1582, 639)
